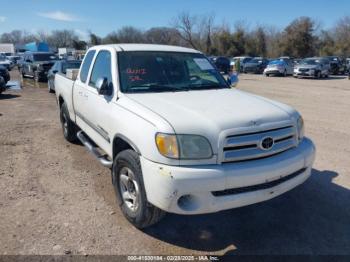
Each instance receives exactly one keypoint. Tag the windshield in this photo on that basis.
(70, 65)
(310, 62)
(44, 57)
(157, 71)
(277, 62)
(256, 60)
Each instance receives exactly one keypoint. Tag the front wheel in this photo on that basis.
(318, 75)
(129, 188)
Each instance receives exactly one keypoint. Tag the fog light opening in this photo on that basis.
(188, 202)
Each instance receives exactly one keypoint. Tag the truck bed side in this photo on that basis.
(64, 92)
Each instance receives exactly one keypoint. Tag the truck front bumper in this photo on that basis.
(211, 188)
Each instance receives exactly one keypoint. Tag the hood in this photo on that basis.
(208, 112)
(44, 62)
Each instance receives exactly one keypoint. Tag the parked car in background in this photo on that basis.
(242, 60)
(279, 67)
(14, 59)
(316, 67)
(2, 84)
(4, 73)
(296, 61)
(347, 64)
(4, 61)
(181, 141)
(337, 65)
(222, 63)
(37, 65)
(256, 65)
(20, 62)
(60, 67)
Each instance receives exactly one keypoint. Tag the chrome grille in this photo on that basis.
(248, 146)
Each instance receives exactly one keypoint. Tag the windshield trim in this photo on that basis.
(185, 89)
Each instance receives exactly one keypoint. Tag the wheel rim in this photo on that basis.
(129, 189)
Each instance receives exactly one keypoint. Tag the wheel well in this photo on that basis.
(119, 144)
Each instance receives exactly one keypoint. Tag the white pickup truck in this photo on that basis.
(176, 136)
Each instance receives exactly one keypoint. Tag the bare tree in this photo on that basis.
(186, 24)
(162, 35)
(62, 38)
(129, 34)
(342, 36)
(94, 39)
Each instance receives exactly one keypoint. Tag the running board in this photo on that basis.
(93, 150)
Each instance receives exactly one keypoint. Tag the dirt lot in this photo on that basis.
(55, 198)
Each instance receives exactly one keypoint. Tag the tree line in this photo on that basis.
(303, 37)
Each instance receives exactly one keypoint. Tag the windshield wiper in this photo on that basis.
(199, 87)
(155, 88)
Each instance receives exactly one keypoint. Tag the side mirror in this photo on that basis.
(55, 71)
(232, 80)
(103, 87)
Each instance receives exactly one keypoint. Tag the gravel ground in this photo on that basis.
(56, 199)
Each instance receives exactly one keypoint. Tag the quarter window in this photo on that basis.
(86, 65)
(102, 68)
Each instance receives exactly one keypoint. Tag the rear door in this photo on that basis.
(80, 96)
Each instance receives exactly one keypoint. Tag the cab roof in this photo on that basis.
(147, 47)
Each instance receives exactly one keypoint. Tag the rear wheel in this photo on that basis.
(36, 77)
(129, 188)
(68, 127)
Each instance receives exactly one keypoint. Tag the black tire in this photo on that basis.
(22, 73)
(267, 75)
(318, 75)
(36, 77)
(285, 73)
(145, 214)
(68, 127)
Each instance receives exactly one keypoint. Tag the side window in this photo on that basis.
(102, 68)
(86, 65)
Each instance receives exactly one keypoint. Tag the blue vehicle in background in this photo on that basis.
(37, 47)
(282, 67)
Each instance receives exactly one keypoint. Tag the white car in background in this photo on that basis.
(316, 67)
(279, 67)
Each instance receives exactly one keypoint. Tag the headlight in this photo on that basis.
(300, 126)
(167, 145)
(183, 146)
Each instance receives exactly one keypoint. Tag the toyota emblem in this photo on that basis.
(267, 143)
